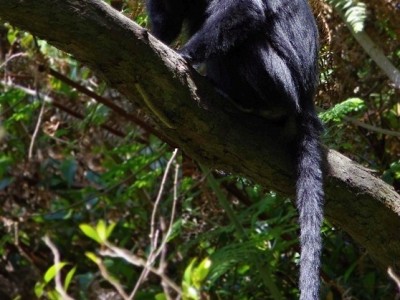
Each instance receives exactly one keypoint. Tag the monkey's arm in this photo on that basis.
(229, 23)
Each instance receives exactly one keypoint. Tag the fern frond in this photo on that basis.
(353, 12)
(227, 258)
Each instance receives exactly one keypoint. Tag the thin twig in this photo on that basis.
(11, 58)
(114, 251)
(162, 249)
(161, 268)
(56, 103)
(171, 221)
(37, 127)
(56, 254)
(394, 276)
(153, 234)
(163, 264)
(160, 192)
(110, 104)
(104, 273)
(371, 127)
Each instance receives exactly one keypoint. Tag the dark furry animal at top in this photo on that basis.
(263, 55)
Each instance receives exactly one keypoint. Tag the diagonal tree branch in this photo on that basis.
(188, 111)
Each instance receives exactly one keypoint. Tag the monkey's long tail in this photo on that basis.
(310, 206)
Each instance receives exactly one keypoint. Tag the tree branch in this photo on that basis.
(189, 112)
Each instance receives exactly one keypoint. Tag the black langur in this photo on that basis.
(263, 55)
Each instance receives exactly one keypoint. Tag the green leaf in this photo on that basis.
(12, 36)
(192, 294)
(160, 296)
(91, 232)
(188, 291)
(101, 230)
(68, 168)
(176, 230)
(336, 113)
(52, 271)
(5, 161)
(187, 275)
(69, 277)
(110, 229)
(201, 272)
(39, 288)
(243, 269)
(353, 12)
(193, 278)
(93, 257)
(53, 295)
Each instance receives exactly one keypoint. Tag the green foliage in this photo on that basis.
(337, 112)
(334, 121)
(354, 12)
(393, 173)
(42, 288)
(193, 279)
(100, 232)
(97, 173)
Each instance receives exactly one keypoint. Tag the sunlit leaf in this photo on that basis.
(91, 232)
(101, 230)
(93, 257)
(52, 271)
(69, 277)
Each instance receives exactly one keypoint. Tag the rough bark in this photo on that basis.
(189, 112)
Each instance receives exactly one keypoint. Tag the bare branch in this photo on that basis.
(56, 254)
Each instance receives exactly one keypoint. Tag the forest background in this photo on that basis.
(97, 202)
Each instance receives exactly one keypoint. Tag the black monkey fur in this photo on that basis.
(263, 55)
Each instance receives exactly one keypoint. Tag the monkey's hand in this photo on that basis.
(191, 55)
